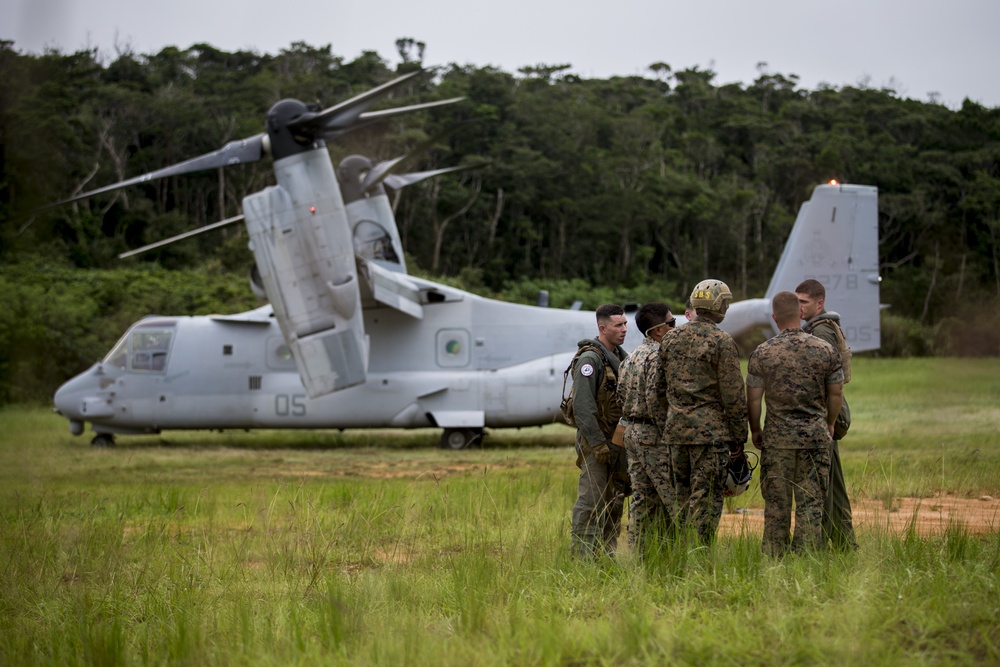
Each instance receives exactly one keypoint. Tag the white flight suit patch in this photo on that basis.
(586, 370)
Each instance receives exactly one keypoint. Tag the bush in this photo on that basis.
(905, 337)
(58, 321)
(973, 332)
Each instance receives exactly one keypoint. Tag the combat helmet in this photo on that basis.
(711, 295)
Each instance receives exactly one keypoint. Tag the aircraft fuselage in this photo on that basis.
(469, 363)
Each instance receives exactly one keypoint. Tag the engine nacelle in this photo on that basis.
(302, 243)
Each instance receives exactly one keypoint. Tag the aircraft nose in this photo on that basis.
(79, 398)
(67, 401)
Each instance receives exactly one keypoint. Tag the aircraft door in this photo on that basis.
(146, 358)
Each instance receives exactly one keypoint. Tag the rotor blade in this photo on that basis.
(398, 181)
(372, 117)
(388, 113)
(185, 235)
(378, 172)
(346, 113)
(240, 151)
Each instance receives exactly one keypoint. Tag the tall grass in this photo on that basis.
(273, 549)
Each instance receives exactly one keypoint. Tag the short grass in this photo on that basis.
(288, 548)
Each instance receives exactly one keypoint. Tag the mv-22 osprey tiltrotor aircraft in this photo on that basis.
(350, 340)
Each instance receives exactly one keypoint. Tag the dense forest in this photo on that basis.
(629, 188)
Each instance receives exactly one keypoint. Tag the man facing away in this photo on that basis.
(803, 380)
(838, 525)
(643, 418)
(706, 408)
(597, 512)
(689, 313)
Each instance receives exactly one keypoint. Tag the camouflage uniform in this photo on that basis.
(601, 489)
(838, 525)
(706, 416)
(794, 369)
(648, 457)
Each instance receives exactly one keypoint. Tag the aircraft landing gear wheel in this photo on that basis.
(103, 440)
(460, 438)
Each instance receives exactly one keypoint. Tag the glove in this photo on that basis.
(602, 453)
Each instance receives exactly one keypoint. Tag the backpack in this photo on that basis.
(566, 405)
(845, 351)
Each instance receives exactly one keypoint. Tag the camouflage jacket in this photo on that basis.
(638, 382)
(702, 388)
(595, 403)
(794, 369)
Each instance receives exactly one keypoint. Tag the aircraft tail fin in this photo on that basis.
(835, 241)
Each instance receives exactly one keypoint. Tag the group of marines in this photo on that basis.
(664, 424)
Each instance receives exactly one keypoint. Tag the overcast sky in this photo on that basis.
(949, 48)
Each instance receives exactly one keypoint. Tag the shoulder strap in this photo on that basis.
(843, 349)
(590, 347)
(599, 348)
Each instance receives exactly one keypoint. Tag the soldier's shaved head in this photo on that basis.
(785, 307)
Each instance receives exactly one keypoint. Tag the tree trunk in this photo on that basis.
(439, 227)
(930, 288)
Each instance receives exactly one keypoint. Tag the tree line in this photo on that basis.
(624, 184)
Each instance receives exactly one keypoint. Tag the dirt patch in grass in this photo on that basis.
(928, 516)
(931, 515)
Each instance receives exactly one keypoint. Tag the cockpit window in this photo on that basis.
(149, 349)
(144, 348)
(118, 357)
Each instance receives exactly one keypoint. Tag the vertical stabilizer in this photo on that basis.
(835, 241)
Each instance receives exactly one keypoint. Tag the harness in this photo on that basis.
(609, 411)
(833, 319)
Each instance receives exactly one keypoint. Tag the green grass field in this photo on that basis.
(304, 548)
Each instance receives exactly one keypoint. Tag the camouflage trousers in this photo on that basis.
(653, 498)
(838, 525)
(698, 484)
(802, 474)
(597, 513)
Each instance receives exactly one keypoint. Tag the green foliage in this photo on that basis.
(973, 330)
(904, 337)
(563, 293)
(59, 320)
(620, 182)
